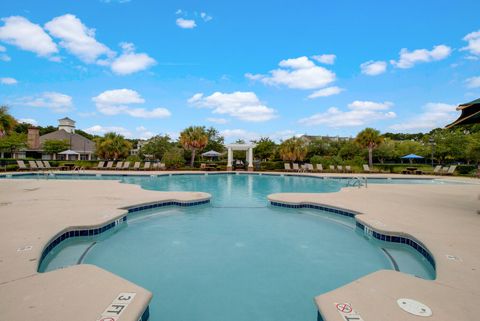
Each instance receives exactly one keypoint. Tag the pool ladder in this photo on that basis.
(357, 181)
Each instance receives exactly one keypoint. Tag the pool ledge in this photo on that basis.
(36, 213)
(442, 218)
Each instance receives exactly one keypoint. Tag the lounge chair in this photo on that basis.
(348, 168)
(119, 165)
(48, 166)
(33, 165)
(126, 166)
(444, 170)
(154, 166)
(332, 168)
(146, 166)
(21, 165)
(203, 166)
(136, 166)
(451, 170)
(319, 168)
(295, 167)
(340, 168)
(109, 165)
(40, 164)
(287, 167)
(366, 168)
(437, 170)
(100, 165)
(309, 167)
(162, 166)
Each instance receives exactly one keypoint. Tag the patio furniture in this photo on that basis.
(332, 168)
(451, 170)
(295, 167)
(309, 167)
(136, 166)
(21, 165)
(319, 168)
(146, 166)
(33, 165)
(287, 167)
(348, 168)
(48, 166)
(109, 165)
(366, 168)
(126, 166)
(100, 165)
(340, 168)
(119, 165)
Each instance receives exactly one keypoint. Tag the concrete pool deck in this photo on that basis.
(34, 211)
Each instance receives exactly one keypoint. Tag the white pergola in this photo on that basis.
(246, 147)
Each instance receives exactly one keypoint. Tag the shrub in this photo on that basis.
(173, 158)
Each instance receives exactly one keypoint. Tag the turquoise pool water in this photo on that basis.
(237, 258)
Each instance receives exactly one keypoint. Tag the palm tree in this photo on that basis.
(369, 138)
(194, 138)
(7, 122)
(293, 149)
(112, 146)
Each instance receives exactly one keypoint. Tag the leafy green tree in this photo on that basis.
(173, 158)
(450, 145)
(386, 150)
(265, 149)
(156, 147)
(216, 141)
(55, 146)
(46, 130)
(7, 122)
(85, 134)
(369, 138)
(112, 146)
(193, 138)
(293, 149)
(349, 149)
(406, 147)
(13, 142)
(473, 148)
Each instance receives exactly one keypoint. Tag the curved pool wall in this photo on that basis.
(252, 190)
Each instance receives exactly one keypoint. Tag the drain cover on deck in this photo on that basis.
(414, 307)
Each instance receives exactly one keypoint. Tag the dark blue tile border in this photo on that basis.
(379, 236)
(98, 230)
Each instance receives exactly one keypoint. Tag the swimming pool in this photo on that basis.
(237, 258)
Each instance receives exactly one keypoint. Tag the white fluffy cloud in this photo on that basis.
(242, 105)
(205, 17)
(30, 121)
(22, 33)
(57, 102)
(473, 82)
(219, 121)
(186, 23)
(77, 38)
(408, 59)
(297, 73)
(373, 68)
(325, 92)
(101, 130)
(359, 114)
(3, 55)
(434, 115)
(130, 62)
(232, 135)
(473, 45)
(118, 101)
(328, 59)
(8, 81)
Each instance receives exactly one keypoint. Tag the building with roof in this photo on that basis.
(83, 148)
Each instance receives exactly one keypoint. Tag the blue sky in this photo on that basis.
(248, 68)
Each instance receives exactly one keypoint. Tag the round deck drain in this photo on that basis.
(414, 307)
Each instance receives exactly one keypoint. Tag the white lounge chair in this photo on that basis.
(287, 167)
(109, 165)
(21, 165)
(451, 170)
(126, 166)
(146, 166)
(348, 168)
(340, 168)
(319, 168)
(309, 167)
(100, 165)
(437, 170)
(332, 168)
(295, 167)
(136, 166)
(40, 164)
(119, 165)
(366, 168)
(32, 165)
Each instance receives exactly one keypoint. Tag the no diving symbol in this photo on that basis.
(344, 307)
